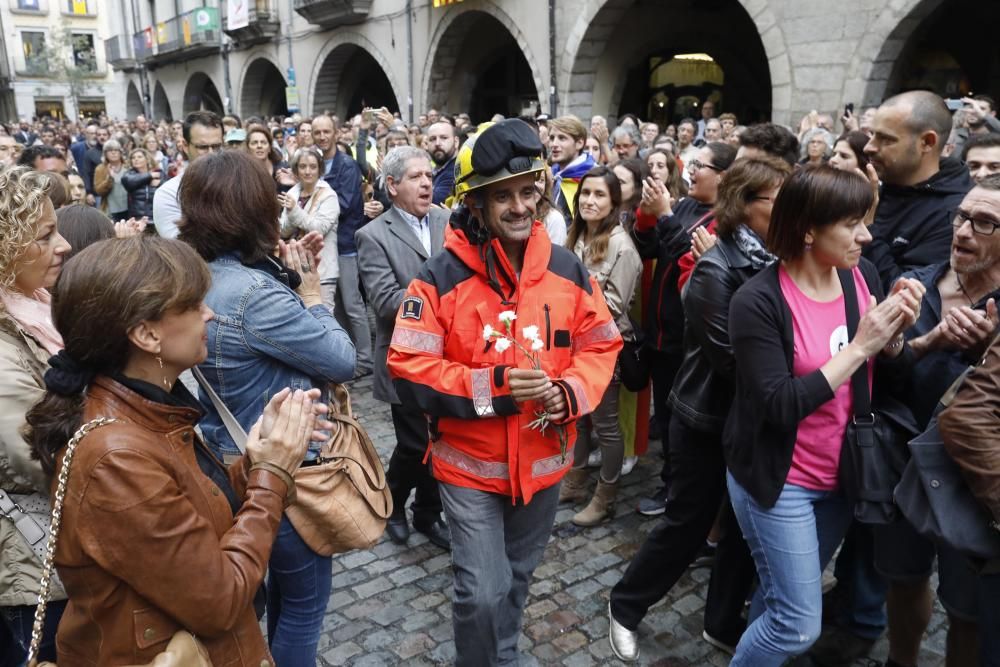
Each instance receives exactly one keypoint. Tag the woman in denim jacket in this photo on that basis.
(271, 331)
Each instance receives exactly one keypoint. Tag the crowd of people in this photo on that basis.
(536, 285)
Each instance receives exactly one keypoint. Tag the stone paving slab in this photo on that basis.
(391, 605)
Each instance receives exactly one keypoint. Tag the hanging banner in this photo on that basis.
(205, 19)
(161, 33)
(79, 6)
(186, 30)
(292, 99)
(237, 14)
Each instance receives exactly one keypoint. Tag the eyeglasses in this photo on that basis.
(695, 165)
(208, 148)
(981, 227)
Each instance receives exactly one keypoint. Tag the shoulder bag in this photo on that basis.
(935, 498)
(875, 437)
(184, 650)
(342, 502)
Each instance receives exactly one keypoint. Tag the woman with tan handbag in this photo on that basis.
(272, 330)
(108, 181)
(146, 544)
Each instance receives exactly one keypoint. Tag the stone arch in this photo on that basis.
(262, 91)
(350, 72)
(583, 93)
(161, 104)
(200, 93)
(894, 36)
(133, 101)
(451, 74)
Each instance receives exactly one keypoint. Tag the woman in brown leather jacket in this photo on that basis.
(149, 543)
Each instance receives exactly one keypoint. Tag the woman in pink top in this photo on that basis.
(788, 327)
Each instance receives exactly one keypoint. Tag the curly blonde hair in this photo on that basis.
(22, 193)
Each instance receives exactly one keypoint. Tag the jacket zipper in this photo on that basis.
(548, 329)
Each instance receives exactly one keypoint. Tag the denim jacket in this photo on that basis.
(261, 340)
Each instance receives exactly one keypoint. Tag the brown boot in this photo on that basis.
(600, 508)
(574, 486)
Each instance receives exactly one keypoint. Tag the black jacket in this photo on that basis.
(913, 223)
(667, 242)
(770, 401)
(703, 389)
(140, 193)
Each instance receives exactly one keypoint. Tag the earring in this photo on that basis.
(809, 246)
(166, 382)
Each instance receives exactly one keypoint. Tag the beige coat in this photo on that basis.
(23, 362)
(617, 274)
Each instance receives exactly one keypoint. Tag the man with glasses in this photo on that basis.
(920, 191)
(958, 318)
(202, 135)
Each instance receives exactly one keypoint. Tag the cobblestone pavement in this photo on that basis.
(391, 605)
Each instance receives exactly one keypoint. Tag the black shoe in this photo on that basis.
(705, 556)
(437, 533)
(398, 529)
(837, 647)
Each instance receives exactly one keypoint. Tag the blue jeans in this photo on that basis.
(17, 638)
(791, 543)
(298, 589)
(495, 547)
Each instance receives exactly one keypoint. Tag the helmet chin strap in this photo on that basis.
(478, 233)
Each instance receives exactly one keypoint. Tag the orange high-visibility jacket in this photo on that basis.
(441, 363)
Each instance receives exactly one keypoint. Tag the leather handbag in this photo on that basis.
(633, 363)
(875, 437)
(184, 649)
(935, 498)
(342, 502)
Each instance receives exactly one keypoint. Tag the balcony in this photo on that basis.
(263, 25)
(118, 52)
(333, 13)
(191, 35)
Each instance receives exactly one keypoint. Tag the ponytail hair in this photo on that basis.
(107, 290)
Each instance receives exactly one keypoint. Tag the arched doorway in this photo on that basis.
(161, 105)
(672, 55)
(480, 69)
(263, 90)
(349, 80)
(948, 46)
(133, 101)
(201, 94)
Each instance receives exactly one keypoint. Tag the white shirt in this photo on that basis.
(421, 227)
(166, 208)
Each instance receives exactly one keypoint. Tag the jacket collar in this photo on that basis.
(536, 254)
(128, 404)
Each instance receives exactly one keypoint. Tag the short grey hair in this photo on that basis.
(394, 163)
(111, 145)
(623, 131)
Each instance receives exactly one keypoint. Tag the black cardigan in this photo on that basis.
(770, 401)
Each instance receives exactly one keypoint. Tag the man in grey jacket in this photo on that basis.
(391, 250)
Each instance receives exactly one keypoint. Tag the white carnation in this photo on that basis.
(502, 344)
(537, 344)
(508, 316)
(530, 332)
(487, 332)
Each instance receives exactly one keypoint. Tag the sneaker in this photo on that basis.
(629, 464)
(718, 643)
(705, 556)
(654, 506)
(595, 458)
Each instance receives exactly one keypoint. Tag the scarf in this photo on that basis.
(574, 171)
(753, 248)
(34, 314)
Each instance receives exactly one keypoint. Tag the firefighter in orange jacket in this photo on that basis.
(499, 476)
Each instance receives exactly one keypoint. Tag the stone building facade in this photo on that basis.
(40, 35)
(761, 59)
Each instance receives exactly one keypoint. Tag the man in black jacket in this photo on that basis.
(920, 191)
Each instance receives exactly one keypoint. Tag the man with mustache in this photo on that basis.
(441, 142)
(499, 476)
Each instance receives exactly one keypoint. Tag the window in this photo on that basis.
(29, 5)
(34, 51)
(84, 54)
(78, 7)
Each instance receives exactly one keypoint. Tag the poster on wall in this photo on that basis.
(237, 14)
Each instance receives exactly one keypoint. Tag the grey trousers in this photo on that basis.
(602, 426)
(350, 311)
(495, 548)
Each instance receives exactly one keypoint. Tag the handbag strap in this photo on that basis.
(859, 380)
(236, 431)
(50, 551)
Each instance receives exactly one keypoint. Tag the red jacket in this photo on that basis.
(440, 361)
